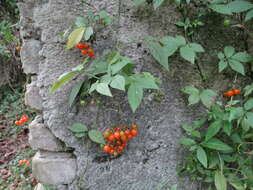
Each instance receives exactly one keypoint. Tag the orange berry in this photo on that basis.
(27, 163)
(230, 93)
(236, 91)
(111, 138)
(82, 46)
(134, 132)
(124, 138)
(17, 122)
(92, 102)
(117, 135)
(107, 148)
(129, 136)
(18, 48)
(20, 162)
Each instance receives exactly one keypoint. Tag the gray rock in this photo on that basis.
(54, 168)
(30, 56)
(40, 138)
(32, 96)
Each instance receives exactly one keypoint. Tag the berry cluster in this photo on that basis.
(85, 49)
(117, 138)
(231, 93)
(23, 119)
(22, 162)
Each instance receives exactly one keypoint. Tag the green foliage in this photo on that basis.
(112, 71)
(161, 50)
(85, 27)
(220, 146)
(189, 26)
(237, 6)
(81, 130)
(207, 97)
(229, 58)
(156, 3)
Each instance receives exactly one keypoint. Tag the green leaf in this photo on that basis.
(118, 82)
(119, 65)
(96, 136)
(240, 6)
(229, 51)
(193, 99)
(216, 144)
(202, 157)
(236, 66)
(220, 181)
(190, 90)
(75, 37)
(235, 113)
(249, 117)
(180, 24)
(81, 21)
(222, 65)
(249, 15)
(221, 56)
(208, 97)
(63, 79)
(249, 104)
(196, 47)
(213, 129)
(106, 17)
(138, 2)
(135, 94)
(227, 128)
(248, 90)
(78, 128)
(180, 41)
(80, 134)
(88, 33)
(187, 141)
(145, 80)
(223, 9)
(173, 187)
(242, 57)
(159, 53)
(104, 89)
(188, 54)
(157, 3)
(74, 92)
(93, 87)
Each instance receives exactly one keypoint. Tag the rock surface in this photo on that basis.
(54, 168)
(150, 160)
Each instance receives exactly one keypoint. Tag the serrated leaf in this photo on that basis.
(223, 9)
(239, 6)
(187, 141)
(249, 15)
(96, 136)
(188, 54)
(220, 181)
(216, 144)
(118, 82)
(88, 33)
(104, 89)
(236, 66)
(242, 57)
(213, 129)
(78, 128)
(157, 3)
(229, 51)
(134, 94)
(208, 97)
(249, 104)
(196, 47)
(202, 157)
(75, 37)
(63, 79)
(222, 65)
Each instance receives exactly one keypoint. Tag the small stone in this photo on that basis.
(54, 168)
(41, 138)
(32, 97)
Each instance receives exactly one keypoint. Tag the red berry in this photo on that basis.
(17, 122)
(117, 135)
(127, 132)
(82, 46)
(134, 132)
(123, 138)
(230, 93)
(84, 52)
(111, 151)
(129, 136)
(111, 138)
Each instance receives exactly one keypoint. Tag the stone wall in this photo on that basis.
(151, 159)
